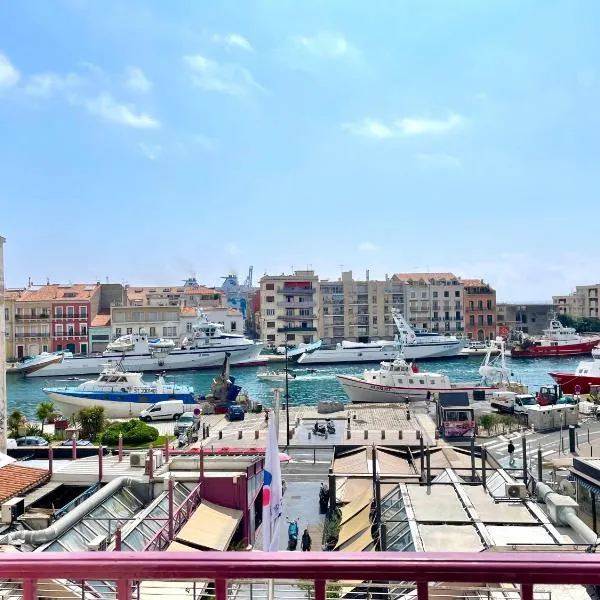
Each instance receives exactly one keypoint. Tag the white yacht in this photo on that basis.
(414, 346)
(205, 348)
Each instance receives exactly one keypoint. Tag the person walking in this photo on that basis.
(306, 541)
(511, 453)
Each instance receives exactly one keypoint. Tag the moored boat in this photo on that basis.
(121, 393)
(480, 348)
(556, 341)
(276, 375)
(34, 363)
(586, 374)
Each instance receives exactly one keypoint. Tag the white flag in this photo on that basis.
(272, 493)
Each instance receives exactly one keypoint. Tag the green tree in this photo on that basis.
(14, 419)
(487, 421)
(92, 421)
(45, 411)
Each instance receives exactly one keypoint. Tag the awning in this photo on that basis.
(363, 542)
(354, 463)
(179, 547)
(211, 527)
(355, 525)
(354, 507)
(588, 485)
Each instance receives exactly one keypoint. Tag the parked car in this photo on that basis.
(31, 440)
(185, 421)
(235, 413)
(77, 443)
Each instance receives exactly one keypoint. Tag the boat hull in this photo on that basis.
(124, 406)
(569, 381)
(178, 360)
(360, 391)
(375, 355)
(555, 351)
(35, 364)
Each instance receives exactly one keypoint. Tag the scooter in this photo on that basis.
(330, 426)
(292, 535)
(319, 429)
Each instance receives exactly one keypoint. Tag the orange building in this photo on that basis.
(480, 309)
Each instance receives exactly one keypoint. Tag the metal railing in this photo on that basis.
(320, 575)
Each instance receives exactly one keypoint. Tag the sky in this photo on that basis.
(146, 141)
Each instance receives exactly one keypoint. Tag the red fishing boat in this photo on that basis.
(556, 341)
(586, 374)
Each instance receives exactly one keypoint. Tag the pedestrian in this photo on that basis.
(511, 451)
(306, 541)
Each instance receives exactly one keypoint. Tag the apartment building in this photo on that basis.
(582, 303)
(434, 301)
(530, 318)
(289, 308)
(156, 321)
(10, 306)
(358, 310)
(480, 309)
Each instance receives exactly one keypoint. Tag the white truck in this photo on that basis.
(510, 402)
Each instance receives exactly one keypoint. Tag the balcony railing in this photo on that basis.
(296, 317)
(38, 334)
(308, 304)
(41, 316)
(226, 575)
(295, 329)
(295, 291)
(66, 317)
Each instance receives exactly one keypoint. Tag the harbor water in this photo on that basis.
(307, 388)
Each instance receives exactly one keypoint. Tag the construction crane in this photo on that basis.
(248, 282)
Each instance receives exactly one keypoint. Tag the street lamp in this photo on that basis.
(287, 395)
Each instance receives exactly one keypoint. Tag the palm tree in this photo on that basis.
(44, 412)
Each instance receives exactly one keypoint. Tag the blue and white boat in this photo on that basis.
(121, 393)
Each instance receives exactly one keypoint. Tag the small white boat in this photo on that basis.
(479, 348)
(276, 376)
(34, 363)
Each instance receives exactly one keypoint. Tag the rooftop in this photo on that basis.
(16, 479)
(55, 291)
(100, 320)
(423, 276)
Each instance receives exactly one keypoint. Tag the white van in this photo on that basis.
(163, 411)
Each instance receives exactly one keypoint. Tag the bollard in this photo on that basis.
(100, 458)
(309, 435)
(383, 434)
(366, 434)
(400, 434)
(348, 434)
(73, 448)
(240, 434)
(221, 434)
(418, 434)
(50, 459)
(120, 447)
(407, 414)
(539, 464)
(256, 434)
(572, 439)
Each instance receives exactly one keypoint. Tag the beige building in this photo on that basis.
(156, 321)
(358, 310)
(188, 295)
(583, 302)
(289, 308)
(32, 323)
(434, 301)
(10, 309)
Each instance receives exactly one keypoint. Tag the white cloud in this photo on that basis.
(151, 151)
(107, 108)
(446, 161)
(371, 128)
(44, 85)
(9, 75)
(233, 40)
(407, 127)
(137, 81)
(327, 45)
(224, 78)
(367, 247)
(418, 126)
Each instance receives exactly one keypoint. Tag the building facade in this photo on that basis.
(434, 301)
(480, 309)
(358, 310)
(192, 294)
(530, 318)
(582, 303)
(10, 306)
(289, 308)
(155, 321)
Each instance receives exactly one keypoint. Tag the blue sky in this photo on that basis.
(144, 141)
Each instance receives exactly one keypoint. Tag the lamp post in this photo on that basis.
(287, 395)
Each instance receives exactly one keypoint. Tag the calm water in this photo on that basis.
(307, 388)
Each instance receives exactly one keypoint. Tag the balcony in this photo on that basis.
(308, 304)
(67, 317)
(75, 336)
(227, 575)
(294, 291)
(296, 317)
(295, 329)
(40, 317)
(24, 336)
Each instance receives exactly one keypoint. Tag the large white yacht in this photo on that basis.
(205, 348)
(414, 346)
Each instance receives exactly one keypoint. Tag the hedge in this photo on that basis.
(134, 432)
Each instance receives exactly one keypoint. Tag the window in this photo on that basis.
(270, 286)
(472, 320)
(413, 295)
(83, 330)
(58, 312)
(489, 305)
(471, 305)
(270, 324)
(129, 331)
(490, 319)
(374, 300)
(325, 310)
(83, 312)
(480, 320)
(423, 294)
(118, 332)
(480, 305)
(188, 328)
(270, 298)
(153, 330)
(305, 312)
(290, 337)
(271, 337)
(457, 315)
(457, 305)
(83, 349)
(169, 331)
(45, 348)
(446, 316)
(58, 347)
(434, 295)
(457, 294)
(446, 294)
(233, 326)
(270, 312)
(307, 339)
(70, 311)
(59, 330)
(374, 320)
(70, 330)
(289, 312)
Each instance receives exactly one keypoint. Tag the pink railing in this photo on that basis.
(127, 570)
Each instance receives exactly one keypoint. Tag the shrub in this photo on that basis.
(35, 430)
(14, 420)
(134, 432)
(488, 421)
(92, 421)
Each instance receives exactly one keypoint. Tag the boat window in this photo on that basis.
(432, 381)
(422, 381)
(103, 378)
(122, 379)
(374, 377)
(113, 379)
(410, 381)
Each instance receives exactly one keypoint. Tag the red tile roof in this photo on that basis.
(55, 291)
(13, 294)
(15, 480)
(100, 320)
(424, 276)
(188, 311)
(473, 281)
